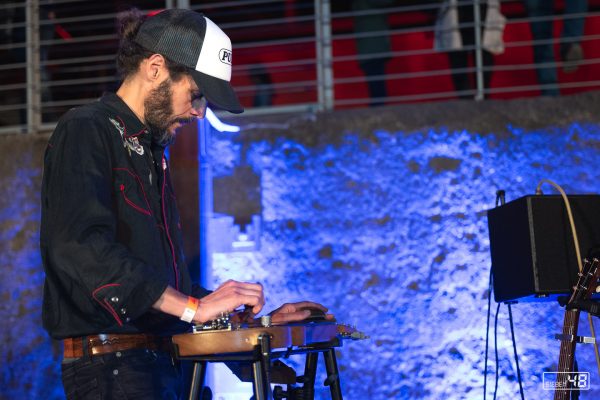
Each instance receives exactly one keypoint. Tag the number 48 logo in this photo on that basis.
(566, 380)
(580, 380)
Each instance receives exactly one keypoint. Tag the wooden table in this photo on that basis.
(257, 347)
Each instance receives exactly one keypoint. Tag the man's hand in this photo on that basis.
(291, 312)
(228, 297)
(225, 299)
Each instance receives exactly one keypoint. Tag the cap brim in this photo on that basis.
(218, 92)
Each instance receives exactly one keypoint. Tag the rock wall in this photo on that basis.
(30, 359)
(379, 214)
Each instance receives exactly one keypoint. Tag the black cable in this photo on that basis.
(512, 332)
(496, 347)
(500, 200)
(487, 335)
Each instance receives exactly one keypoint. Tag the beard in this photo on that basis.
(158, 113)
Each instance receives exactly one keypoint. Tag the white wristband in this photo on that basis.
(190, 310)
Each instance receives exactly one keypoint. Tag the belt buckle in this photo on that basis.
(104, 340)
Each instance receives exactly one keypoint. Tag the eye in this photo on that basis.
(199, 102)
(195, 95)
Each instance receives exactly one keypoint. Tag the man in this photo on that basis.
(377, 48)
(455, 33)
(117, 286)
(542, 31)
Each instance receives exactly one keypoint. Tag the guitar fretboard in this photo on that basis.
(567, 354)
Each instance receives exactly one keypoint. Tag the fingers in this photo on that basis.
(234, 288)
(290, 316)
(229, 296)
(233, 294)
(234, 284)
(284, 308)
(309, 304)
(295, 316)
(257, 308)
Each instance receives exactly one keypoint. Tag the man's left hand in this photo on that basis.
(292, 312)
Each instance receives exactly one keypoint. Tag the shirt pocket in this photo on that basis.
(130, 190)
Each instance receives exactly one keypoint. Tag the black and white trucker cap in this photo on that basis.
(192, 40)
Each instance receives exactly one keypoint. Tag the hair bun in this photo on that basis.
(129, 22)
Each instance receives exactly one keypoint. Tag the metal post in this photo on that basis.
(261, 369)
(310, 371)
(479, 95)
(34, 101)
(180, 4)
(324, 54)
(333, 375)
(258, 384)
(198, 376)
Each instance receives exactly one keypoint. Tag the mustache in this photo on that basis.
(183, 120)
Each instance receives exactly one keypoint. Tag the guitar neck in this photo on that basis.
(586, 285)
(566, 358)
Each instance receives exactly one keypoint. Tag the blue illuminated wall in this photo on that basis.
(29, 360)
(389, 230)
(383, 223)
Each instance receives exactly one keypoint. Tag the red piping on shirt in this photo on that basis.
(122, 188)
(164, 183)
(105, 304)
(131, 203)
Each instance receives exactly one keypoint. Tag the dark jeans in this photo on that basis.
(543, 53)
(132, 374)
(465, 82)
(375, 71)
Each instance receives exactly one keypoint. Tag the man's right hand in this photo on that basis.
(228, 297)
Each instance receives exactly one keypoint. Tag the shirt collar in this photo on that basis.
(132, 124)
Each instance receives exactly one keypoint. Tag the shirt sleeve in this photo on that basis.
(105, 281)
(199, 291)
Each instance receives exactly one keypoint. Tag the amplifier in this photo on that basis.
(532, 249)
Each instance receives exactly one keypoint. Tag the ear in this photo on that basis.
(155, 68)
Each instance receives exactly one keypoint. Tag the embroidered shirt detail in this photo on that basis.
(130, 143)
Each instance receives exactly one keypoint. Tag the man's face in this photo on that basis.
(171, 105)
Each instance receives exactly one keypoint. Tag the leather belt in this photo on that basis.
(110, 343)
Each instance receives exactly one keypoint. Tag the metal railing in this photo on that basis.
(298, 55)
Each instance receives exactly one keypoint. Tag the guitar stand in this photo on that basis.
(262, 366)
(573, 338)
(583, 305)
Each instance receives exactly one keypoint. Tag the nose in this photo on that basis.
(197, 113)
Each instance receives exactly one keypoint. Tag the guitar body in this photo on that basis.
(245, 340)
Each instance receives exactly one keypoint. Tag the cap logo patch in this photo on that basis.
(225, 56)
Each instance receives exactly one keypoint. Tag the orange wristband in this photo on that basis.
(190, 310)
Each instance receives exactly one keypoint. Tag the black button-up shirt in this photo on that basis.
(110, 231)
